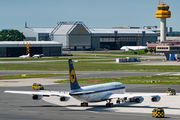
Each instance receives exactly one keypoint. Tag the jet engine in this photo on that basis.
(155, 98)
(37, 97)
(64, 98)
(138, 99)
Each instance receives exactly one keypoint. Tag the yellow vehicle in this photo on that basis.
(171, 91)
(158, 112)
(36, 86)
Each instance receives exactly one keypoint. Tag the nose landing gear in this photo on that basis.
(84, 104)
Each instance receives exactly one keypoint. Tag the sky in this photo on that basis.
(93, 13)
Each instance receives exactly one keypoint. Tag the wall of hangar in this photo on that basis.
(18, 51)
(115, 43)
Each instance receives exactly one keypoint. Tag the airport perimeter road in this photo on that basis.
(22, 107)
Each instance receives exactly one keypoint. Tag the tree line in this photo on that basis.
(11, 35)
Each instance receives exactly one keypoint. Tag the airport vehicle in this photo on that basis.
(36, 86)
(158, 112)
(92, 93)
(171, 91)
(24, 56)
(37, 55)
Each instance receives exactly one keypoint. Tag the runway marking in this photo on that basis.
(10, 81)
(122, 113)
(5, 85)
(166, 73)
(160, 87)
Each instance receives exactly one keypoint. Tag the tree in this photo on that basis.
(11, 35)
(151, 50)
(135, 52)
(154, 50)
(146, 50)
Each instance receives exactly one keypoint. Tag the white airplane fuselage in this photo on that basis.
(127, 48)
(97, 93)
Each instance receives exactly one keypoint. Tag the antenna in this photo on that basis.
(25, 24)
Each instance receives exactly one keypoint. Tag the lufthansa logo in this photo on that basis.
(72, 76)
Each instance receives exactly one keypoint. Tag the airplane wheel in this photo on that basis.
(107, 104)
(111, 104)
(118, 101)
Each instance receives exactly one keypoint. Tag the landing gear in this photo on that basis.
(84, 104)
(118, 101)
(109, 104)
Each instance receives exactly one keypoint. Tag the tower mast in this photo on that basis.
(163, 13)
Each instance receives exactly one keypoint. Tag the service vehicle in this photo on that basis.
(37, 86)
(171, 91)
(158, 113)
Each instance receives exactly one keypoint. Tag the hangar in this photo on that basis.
(115, 38)
(73, 35)
(17, 48)
(77, 36)
(36, 34)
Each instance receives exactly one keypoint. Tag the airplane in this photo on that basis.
(37, 55)
(127, 48)
(92, 93)
(24, 56)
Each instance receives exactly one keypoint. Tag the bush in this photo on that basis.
(154, 50)
(146, 50)
(151, 50)
(135, 52)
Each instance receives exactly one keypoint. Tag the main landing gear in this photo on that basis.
(118, 101)
(109, 104)
(84, 104)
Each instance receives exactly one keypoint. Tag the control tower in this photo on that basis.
(163, 13)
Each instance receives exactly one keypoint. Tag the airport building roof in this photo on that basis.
(42, 30)
(39, 30)
(32, 43)
(64, 29)
(120, 31)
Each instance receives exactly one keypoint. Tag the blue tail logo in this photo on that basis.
(147, 43)
(73, 81)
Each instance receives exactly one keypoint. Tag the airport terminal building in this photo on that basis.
(77, 36)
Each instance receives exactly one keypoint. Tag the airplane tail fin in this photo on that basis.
(147, 43)
(73, 80)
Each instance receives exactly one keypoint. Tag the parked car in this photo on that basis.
(36, 86)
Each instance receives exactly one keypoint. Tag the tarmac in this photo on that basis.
(22, 107)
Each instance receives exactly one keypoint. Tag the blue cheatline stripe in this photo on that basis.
(97, 91)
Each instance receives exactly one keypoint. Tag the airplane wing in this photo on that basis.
(43, 93)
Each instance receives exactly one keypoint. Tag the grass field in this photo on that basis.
(32, 76)
(90, 66)
(141, 52)
(164, 80)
